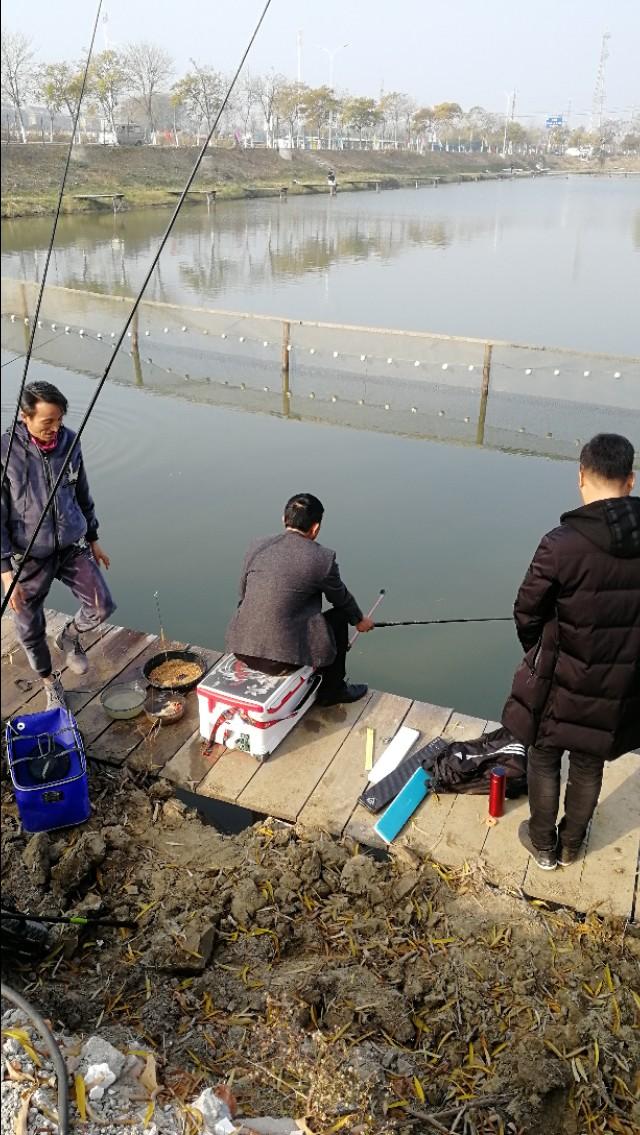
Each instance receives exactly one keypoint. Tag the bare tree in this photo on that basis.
(108, 84)
(149, 68)
(17, 73)
(199, 94)
(396, 107)
(266, 91)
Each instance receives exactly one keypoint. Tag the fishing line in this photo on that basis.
(34, 322)
(136, 304)
(21, 355)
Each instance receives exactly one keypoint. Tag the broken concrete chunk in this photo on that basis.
(116, 837)
(37, 858)
(360, 877)
(97, 1051)
(78, 861)
(246, 902)
(97, 1079)
(213, 1111)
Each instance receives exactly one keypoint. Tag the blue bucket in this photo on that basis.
(48, 770)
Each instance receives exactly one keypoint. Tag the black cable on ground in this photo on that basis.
(52, 1048)
(136, 304)
(34, 322)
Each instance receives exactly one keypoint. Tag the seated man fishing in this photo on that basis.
(279, 624)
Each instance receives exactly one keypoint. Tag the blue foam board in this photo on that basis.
(402, 808)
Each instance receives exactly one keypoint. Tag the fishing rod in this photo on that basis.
(71, 919)
(34, 321)
(136, 303)
(369, 614)
(442, 622)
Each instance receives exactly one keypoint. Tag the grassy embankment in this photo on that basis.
(146, 176)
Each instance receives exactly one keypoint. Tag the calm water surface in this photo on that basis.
(546, 261)
(447, 530)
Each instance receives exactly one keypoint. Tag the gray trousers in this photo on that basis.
(77, 569)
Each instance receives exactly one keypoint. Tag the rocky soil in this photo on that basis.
(318, 983)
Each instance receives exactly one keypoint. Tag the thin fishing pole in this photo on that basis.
(136, 304)
(34, 322)
(442, 622)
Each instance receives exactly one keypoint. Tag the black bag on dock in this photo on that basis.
(457, 766)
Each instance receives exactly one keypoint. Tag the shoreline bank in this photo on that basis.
(152, 178)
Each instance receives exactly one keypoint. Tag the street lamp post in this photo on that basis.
(332, 52)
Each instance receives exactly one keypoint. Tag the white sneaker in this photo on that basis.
(70, 645)
(55, 694)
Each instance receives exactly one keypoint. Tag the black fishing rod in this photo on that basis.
(34, 321)
(71, 919)
(443, 622)
(136, 304)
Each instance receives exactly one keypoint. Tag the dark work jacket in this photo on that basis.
(30, 477)
(578, 618)
(284, 579)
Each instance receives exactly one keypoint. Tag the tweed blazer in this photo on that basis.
(279, 616)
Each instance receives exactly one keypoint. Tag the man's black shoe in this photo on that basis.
(567, 855)
(547, 860)
(345, 693)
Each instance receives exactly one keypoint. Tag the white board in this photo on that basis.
(391, 756)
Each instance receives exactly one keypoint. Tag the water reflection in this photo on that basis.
(523, 261)
(216, 252)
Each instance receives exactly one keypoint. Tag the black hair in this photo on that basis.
(303, 511)
(608, 456)
(42, 392)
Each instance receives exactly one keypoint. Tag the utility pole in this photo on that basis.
(597, 109)
(509, 117)
(299, 46)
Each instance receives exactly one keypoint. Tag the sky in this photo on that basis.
(474, 52)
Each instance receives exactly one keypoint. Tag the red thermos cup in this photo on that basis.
(497, 791)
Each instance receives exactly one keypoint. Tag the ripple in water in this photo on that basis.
(111, 440)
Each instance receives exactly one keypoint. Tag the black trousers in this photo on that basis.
(333, 675)
(581, 797)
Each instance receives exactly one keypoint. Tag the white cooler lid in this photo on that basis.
(235, 681)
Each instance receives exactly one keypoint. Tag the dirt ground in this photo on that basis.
(364, 996)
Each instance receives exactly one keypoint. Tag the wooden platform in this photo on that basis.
(315, 777)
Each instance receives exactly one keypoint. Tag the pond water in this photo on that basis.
(447, 529)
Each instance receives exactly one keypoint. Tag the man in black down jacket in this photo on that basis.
(279, 624)
(578, 618)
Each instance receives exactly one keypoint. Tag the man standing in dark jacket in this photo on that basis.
(279, 624)
(67, 545)
(578, 618)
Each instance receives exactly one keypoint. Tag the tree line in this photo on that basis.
(134, 92)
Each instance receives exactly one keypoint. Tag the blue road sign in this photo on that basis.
(555, 120)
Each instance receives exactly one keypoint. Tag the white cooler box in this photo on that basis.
(248, 710)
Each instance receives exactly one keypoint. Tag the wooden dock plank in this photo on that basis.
(20, 683)
(560, 886)
(189, 767)
(121, 653)
(159, 746)
(318, 772)
(9, 634)
(331, 802)
(227, 773)
(283, 784)
(430, 720)
(425, 832)
(503, 856)
(608, 876)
